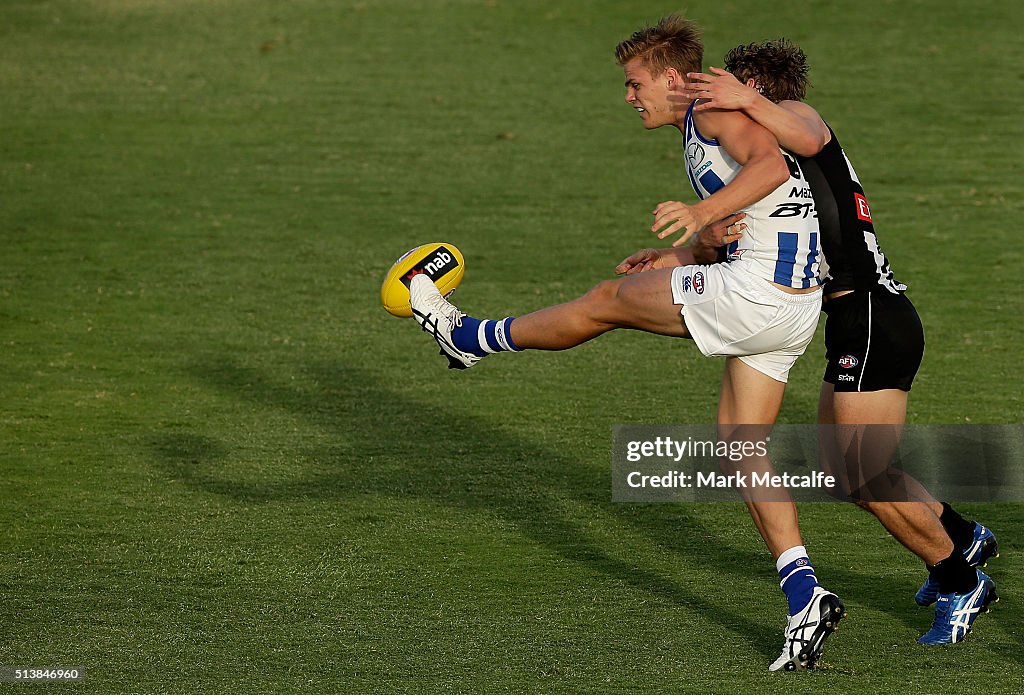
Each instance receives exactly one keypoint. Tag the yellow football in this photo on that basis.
(441, 262)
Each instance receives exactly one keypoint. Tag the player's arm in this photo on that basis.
(655, 259)
(713, 239)
(707, 247)
(764, 170)
(796, 126)
(754, 149)
(703, 252)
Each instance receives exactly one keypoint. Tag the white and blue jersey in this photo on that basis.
(781, 243)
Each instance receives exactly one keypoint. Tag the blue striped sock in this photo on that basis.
(481, 337)
(796, 577)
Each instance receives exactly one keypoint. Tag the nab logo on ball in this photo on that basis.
(442, 263)
(848, 362)
(435, 265)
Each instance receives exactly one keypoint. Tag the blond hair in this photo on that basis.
(674, 42)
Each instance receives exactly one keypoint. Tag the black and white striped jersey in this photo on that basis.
(853, 260)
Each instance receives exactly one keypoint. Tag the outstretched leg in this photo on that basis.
(641, 302)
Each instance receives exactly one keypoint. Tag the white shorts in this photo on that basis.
(731, 313)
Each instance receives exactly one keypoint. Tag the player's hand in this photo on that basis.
(720, 90)
(724, 231)
(673, 216)
(644, 259)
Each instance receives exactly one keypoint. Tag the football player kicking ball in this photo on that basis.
(759, 310)
(873, 335)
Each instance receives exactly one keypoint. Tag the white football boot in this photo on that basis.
(438, 317)
(807, 630)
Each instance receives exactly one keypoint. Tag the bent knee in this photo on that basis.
(604, 304)
(603, 301)
(605, 291)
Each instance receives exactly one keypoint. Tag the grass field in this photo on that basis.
(226, 469)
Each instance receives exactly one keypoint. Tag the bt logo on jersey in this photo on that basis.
(863, 211)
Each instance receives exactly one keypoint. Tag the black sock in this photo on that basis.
(960, 530)
(954, 575)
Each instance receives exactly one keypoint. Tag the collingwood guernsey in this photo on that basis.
(781, 243)
(853, 259)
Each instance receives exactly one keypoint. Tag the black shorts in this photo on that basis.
(873, 341)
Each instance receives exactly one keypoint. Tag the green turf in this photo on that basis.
(226, 469)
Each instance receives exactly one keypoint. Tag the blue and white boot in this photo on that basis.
(982, 549)
(956, 613)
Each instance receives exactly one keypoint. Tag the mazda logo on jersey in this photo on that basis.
(848, 362)
(698, 282)
(695, 153)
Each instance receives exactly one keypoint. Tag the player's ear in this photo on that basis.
(752, 83)
(674, 79)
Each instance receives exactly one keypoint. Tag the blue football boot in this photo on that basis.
(982, 548)
(956, 613)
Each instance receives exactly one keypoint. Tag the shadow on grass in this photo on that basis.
(390, 444)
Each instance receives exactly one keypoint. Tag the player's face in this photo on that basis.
(651, 97)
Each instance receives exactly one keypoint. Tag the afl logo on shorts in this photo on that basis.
(698, 282)
(848, 362)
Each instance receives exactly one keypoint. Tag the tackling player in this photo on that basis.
(873, 335)
(759, 310)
